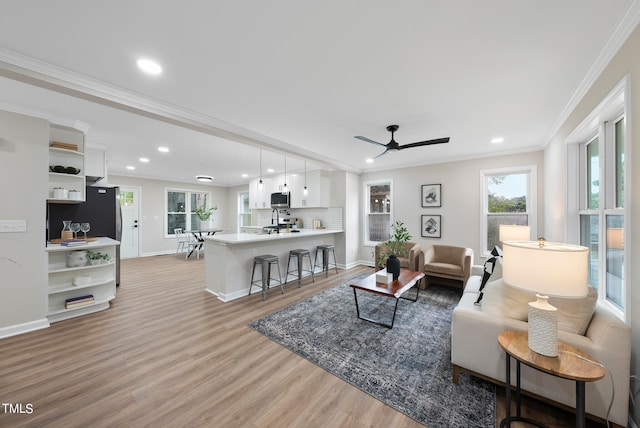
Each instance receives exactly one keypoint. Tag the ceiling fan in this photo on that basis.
(393, 144)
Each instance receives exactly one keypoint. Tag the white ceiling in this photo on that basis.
(304, 78)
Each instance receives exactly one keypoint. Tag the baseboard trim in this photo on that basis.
(14, 330)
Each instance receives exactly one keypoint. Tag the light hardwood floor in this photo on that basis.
(169, 354)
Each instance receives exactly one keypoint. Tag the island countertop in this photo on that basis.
(230, 257)
(244, 238)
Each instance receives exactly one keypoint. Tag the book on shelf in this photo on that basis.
(76, 302)
(73, 242)
(72, 300)
(80, 304)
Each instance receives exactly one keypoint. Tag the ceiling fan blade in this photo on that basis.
(360, 137)
(383, 153)
(424, 143)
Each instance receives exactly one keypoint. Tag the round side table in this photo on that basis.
(571, 363)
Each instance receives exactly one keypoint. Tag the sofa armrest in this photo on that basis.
(467, 263)
(427, 255)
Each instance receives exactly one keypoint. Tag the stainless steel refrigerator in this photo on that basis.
(101, 210)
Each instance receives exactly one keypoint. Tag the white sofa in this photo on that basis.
(475, 349)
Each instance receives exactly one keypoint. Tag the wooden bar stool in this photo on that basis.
(265, 262)
(325, 248)
(299, 254)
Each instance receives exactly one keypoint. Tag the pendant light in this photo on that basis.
(260, 183)
(285, 189)
(305, 191)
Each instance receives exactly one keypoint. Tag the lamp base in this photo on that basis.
(543, 327)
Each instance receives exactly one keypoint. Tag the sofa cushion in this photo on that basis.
(501, 300)
(574, 315)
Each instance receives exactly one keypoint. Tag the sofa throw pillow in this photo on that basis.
(503, 301)
(574, 315)
(490, 267)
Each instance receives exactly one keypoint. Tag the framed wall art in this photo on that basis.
(431, 195)
(431, 226)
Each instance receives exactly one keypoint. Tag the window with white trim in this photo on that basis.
(377, 212)
(596, 193)
(508, 197)
(180, 209)
(601, 212)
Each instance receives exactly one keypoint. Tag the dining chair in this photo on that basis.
(182, 238)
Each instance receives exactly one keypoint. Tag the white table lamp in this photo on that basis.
(514, 232)
(548, 269)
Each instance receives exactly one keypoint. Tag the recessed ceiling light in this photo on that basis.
(497, 140)
(369, 160)
(163, 149)
(270, 170)
(131, 167)
(205, 178)
(149, 66)
(144, 160)
(245, 175)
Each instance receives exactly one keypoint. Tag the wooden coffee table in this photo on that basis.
(406, 280)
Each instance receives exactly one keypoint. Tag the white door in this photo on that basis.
(129, 205)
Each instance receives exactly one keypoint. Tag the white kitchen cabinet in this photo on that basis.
(95, 164)
(97, 280)
(65, 187)
(318, 185)
(260, 198)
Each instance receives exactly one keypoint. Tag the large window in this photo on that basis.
(601, 209)
(377, 212)
(508, 197)
(596, 212)
(180, 209)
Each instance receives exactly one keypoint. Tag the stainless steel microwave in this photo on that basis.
(280, 200)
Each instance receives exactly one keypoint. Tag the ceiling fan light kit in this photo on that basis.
(393, 144)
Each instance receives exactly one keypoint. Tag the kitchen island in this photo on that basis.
(229, 257)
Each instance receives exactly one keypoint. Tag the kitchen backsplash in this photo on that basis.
(331, 217)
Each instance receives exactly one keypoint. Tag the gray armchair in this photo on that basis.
(413, 260)
(449, 262)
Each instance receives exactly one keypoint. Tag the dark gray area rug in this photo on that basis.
(407, 367)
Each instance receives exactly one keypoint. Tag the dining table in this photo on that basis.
(199, 234)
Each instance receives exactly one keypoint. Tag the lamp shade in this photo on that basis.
(514, 232)
(549, 268)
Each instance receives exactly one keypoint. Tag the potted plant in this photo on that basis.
(394, 248)
(97, 258)
(204, 213)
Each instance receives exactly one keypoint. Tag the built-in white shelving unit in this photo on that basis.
(98, 280)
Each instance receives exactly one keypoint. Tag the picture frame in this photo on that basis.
(431, 195)
(431, 226)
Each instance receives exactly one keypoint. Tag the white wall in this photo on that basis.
(24, 159)
(152, 223)
(625, 62)
(461, 205)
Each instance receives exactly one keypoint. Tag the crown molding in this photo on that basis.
(625, 27)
